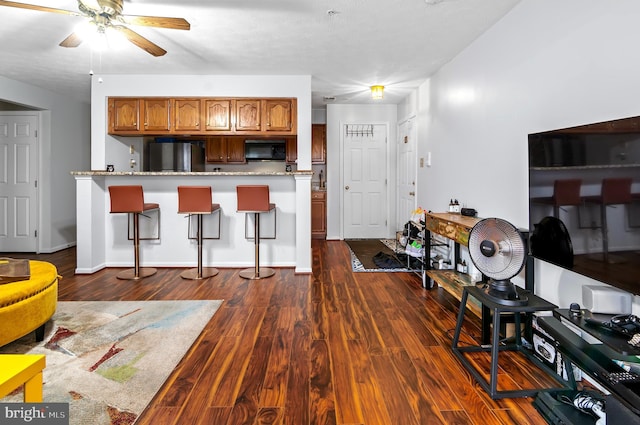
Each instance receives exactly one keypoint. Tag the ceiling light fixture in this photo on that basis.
(377, 92)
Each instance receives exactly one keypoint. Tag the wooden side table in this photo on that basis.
(18, 369)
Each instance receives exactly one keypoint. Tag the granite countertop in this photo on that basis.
(188, 173)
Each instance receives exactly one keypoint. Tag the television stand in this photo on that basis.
(596, 360)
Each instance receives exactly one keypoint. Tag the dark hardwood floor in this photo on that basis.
(334, 347)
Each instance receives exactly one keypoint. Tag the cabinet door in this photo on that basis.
(124, 115)
(318, 214)
(186, 115)
(216, 149)
(217, 114)
(318, 143)
(278, 115)
(292, 150)
(235, 151)
(248, 115)
(156, 115)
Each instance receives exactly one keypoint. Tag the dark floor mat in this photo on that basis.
(366, 250)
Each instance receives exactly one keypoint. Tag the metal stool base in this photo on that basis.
(263, 272)
(192, 274)
(130, 274)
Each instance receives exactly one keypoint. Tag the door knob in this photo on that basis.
(346, 188)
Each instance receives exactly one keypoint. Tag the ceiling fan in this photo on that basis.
(107, 14)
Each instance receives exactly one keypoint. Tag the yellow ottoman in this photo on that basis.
(26, 305)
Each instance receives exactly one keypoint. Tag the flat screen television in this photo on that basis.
(584, 200)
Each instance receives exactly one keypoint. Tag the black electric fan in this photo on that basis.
(498, 250)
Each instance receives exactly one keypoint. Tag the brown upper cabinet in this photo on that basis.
(278, 115)
(248, 115)
(218, 114)
(124, 115)
(186, 115)
(156, 115)
(202, 116)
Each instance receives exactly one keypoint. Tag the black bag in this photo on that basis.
(386, 261)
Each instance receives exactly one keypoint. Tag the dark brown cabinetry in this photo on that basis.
(278, 115)
(186, 115)
(124, 115)
(202, 116)
(318, 143)
(248, 115)
(318, 146)
(156, 115)
(318, 214)
(292, 150)
(218, 114)
(228, 150)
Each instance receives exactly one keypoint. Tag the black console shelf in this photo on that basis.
(593, 359)
(616, 343)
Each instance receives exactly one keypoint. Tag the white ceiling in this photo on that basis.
(396, 43)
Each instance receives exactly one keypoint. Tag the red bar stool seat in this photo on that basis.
(614, 191)
(130, 200)
(566, 192)
(254, 199)
(197, 200)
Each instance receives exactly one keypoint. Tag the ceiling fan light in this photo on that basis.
(377, 92)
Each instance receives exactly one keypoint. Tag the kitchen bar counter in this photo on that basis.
(102, 236)
(189, 173)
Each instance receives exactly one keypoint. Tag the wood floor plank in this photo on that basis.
(247, 404)
(229, 385)
(348, 407)
(374, 408)
(321, 399)
(274, 388)
(297, 408)
(396, 401)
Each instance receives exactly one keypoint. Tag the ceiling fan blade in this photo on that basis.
(141, 42)
(73, 40)
(39, 8)
(156, 21)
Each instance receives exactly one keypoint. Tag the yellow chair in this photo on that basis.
(18, 369)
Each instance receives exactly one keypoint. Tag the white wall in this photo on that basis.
(64, 146)
(337, 115)
(546, 65)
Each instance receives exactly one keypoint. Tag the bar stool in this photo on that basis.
(130, 200)
(196, 200)
(614, 191)
(254, 199)
(566, 192)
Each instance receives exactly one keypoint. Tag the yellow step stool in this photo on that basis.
(18, 369)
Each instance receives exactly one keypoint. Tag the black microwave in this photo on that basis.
(266, 150)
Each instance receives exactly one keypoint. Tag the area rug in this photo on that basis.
(363, 252)
(107, 359)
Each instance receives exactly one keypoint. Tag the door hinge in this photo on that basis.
(35, 233)
(35, 184)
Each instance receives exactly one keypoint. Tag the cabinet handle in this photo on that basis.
(412, 194)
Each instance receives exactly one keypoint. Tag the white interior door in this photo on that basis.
(18, 183)
(365, 181)
(406, 172)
